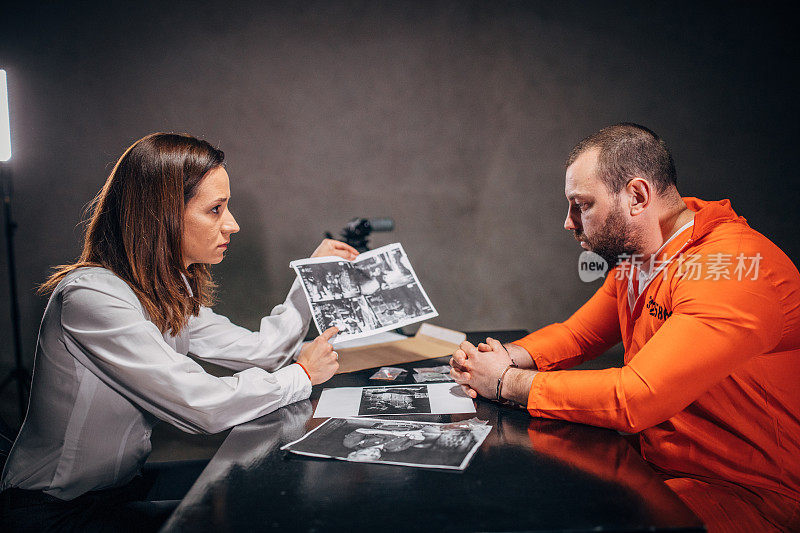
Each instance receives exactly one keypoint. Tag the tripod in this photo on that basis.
(18, 373)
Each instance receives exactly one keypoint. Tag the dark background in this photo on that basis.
(454, 118)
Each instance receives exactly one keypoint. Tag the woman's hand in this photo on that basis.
(329, 247)
(318, 357)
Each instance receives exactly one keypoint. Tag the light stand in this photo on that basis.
(18, 373)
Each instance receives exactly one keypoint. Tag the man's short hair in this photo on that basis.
(628, 150)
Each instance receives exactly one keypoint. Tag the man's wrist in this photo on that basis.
(519, 355)
(517, 384)
(499, 392)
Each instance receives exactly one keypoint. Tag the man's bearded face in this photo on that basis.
(597, 215)
(615, 237)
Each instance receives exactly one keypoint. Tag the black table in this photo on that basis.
(529, 474)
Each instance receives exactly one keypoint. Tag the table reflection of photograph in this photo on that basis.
(394, 400)
(408, 443)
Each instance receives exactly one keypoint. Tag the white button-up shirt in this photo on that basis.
(104, 375)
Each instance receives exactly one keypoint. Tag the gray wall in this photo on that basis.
(453, 118)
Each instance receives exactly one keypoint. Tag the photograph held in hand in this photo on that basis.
(379, 291)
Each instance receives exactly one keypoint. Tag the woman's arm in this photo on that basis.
(105, 329)
(214, 338)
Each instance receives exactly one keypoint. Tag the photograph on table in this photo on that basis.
(379, 291)
(398, 442)
(395, 400)
(412, 399)
(431, 377)
(432, 374)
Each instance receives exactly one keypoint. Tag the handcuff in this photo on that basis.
(499, 392)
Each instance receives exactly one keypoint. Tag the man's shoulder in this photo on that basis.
(737, 241)
(735, 263)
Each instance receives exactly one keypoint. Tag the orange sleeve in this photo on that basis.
(716, 326)
(593, 329)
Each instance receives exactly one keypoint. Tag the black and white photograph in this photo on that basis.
(379, 291)
(384, 271)
(329, 281)
(406, 399)
(434, 374)
(412, 399)
(406, 443)
(399, 304)
(351, 316)
(432, 377)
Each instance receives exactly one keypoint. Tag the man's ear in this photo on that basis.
(639, 195)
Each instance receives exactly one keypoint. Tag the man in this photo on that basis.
(708, 311)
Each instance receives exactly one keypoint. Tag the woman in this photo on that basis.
(111, 358)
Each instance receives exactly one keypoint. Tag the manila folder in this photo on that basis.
(430, 342)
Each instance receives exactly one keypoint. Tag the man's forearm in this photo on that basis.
(517, 385)
(519, 356)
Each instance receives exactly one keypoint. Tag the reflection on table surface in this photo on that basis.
(529, 474)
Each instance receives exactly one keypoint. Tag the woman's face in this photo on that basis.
(207, 221)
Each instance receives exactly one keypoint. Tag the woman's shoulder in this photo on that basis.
(96, 282)
(88, 275)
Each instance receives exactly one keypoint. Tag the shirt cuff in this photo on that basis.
(294, 382)
(534, 394)
(536, 358)
(540, 362)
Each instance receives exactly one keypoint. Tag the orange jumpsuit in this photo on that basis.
(711, 380)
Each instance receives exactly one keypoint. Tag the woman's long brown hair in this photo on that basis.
(136, 224)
